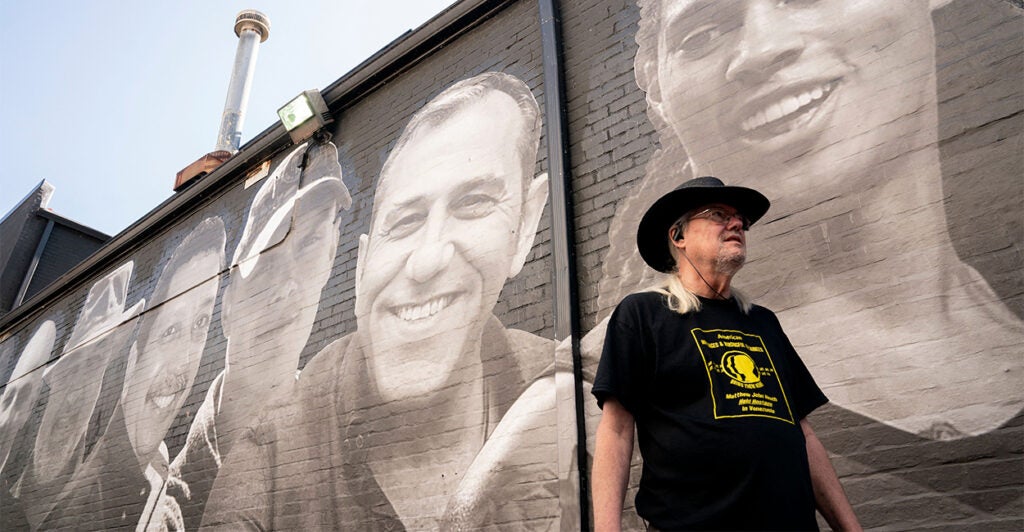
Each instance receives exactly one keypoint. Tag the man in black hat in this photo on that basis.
(714, 388)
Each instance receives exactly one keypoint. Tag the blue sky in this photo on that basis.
(107, 100)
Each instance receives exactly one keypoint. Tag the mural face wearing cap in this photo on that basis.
(271, 301)
(749, 85)
(450, 226)
(74, 383)
(164, 360)
(102, 331)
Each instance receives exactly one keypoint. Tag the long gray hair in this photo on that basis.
(684, 301)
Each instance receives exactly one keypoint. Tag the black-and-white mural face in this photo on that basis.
(829, 107)
(455, 214)
(454, 217)
(102, 331)
(786, 89)
(281, 265)
(23, 387)
(164, 359)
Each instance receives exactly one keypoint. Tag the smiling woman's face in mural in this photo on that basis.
(443, 242)
(165, 358)
(819, 91)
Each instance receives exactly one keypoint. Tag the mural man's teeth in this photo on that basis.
(789, 104)
(163, 401)
(425, 310)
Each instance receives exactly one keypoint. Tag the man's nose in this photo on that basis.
(768, 42)
(734, 222)
(432, 255)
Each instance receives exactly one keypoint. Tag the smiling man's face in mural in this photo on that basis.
(811, 92)
(448, 230)
(163, 362)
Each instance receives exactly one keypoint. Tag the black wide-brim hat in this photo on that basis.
(652, 234)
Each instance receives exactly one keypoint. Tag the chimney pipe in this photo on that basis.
(252, 28)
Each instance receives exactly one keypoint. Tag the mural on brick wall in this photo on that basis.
(432, 413)
(418, 415)
(118, 484)
(101, 332)
(358, 338)
(830, 108)
(278, 270)
(23, 387)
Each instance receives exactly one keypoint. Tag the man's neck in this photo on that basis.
(430, 455)
(711, 285)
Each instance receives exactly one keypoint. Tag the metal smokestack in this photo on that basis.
(252, 28)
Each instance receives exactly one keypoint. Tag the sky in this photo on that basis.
(107, 100)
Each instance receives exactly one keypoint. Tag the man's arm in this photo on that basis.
(612, 454)
(828, 493)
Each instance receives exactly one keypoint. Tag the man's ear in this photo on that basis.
(675, 238)
(361, 252)
(675, 233)
(533, 207)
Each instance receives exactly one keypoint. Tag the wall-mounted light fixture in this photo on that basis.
(306, 114)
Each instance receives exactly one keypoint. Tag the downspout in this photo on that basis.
(562, 227)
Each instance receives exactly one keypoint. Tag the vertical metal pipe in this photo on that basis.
(567, 322)
(252, 28)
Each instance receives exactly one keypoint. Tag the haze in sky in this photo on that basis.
(107, 100)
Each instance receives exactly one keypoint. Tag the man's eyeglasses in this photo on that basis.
(722, 217)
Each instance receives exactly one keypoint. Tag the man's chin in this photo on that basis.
(730, 263)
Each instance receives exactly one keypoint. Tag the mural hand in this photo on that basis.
(167, 515)
(513, 478)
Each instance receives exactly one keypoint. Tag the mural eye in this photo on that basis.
(474, 206)
(169, 333)
(201, 323)
(406, 225)
(701, 41)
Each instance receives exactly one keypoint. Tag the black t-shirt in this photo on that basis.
(717, 396)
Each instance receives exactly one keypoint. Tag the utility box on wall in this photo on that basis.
(366, 336)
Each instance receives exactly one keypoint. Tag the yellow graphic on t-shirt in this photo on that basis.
(742, 375)
(741, 368)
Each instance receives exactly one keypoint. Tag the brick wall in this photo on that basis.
(348, 443)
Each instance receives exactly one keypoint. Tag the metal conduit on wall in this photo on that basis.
(567, 322)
